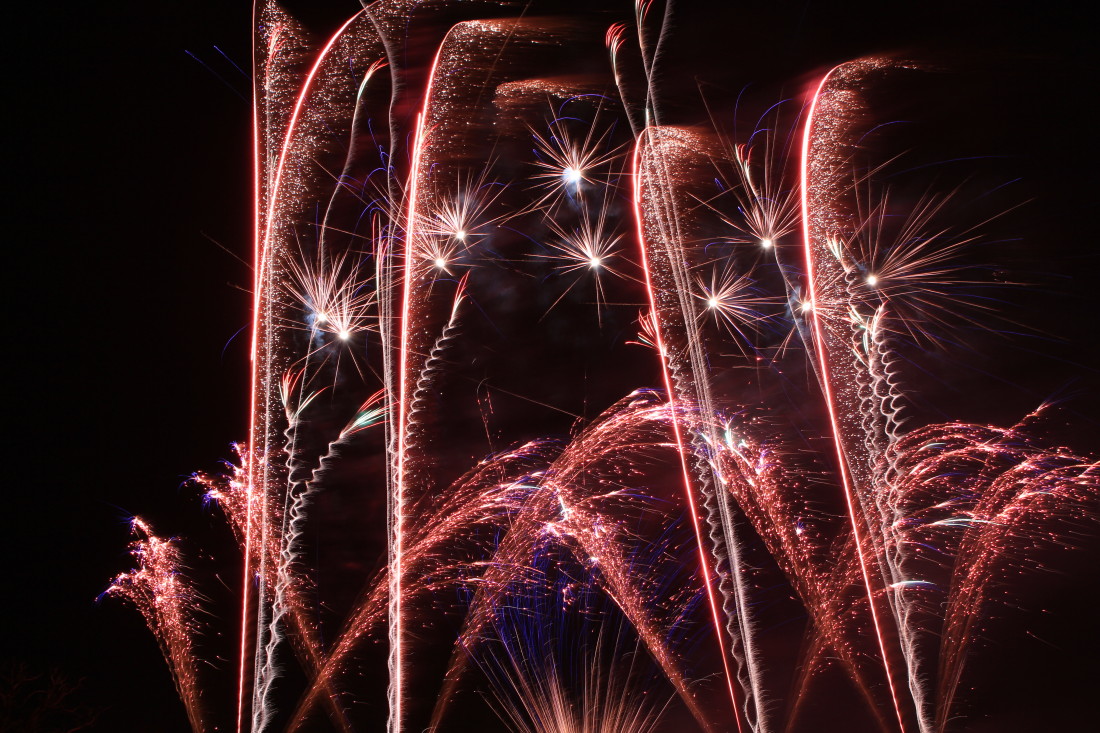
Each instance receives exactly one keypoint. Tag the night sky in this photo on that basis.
(129, 214)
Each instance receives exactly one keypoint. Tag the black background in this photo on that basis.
(130, 159)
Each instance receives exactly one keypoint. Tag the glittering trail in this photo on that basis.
(824, 168)
(640, 200)
(281, 144)
(167, 600)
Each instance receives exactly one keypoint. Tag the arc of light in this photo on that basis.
(261, 254)
(396, 660)
(823, 365)
(681, 449)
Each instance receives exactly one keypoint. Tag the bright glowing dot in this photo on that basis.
(712, 302)
(460, 235)
(572, 175)
(344, 335)
(594, 262)
(806, 306)
(322, 318)
(767, 243)
(872, 280)
(440, 262)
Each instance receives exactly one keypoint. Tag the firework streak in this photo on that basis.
(465, 239)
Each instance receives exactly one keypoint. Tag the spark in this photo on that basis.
(590, 246)
(448, 227)
(568, 164)
(336, 298)
(735, 302)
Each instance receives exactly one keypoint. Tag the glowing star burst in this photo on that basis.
(335, 297)
(569, 163)
(735, 302)
(457, 223)
(589, 247)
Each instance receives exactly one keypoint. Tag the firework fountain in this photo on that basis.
(468, 244)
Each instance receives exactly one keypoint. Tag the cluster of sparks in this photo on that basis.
(605, 582)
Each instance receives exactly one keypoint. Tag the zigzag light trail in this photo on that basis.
(520, 223)
(818, 190)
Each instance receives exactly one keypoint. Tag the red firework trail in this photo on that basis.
(689, 487)
(822, 165)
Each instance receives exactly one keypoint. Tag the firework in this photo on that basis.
(456, 240)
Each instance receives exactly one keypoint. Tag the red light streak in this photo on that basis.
(688, 481)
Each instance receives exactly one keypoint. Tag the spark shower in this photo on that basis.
(577, 407)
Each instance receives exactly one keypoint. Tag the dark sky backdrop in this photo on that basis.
(131, 159)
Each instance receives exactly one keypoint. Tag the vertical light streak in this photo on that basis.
(823, 365)
(257, 191)
(396, 660)
(681, 448)
(261, 261)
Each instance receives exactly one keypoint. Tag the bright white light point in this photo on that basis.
(594, 262)
(322, 318)
(571, 175)
(344, 335)
(806, 306)
(460, 235)
(766, 243)
(440, 263)
(872, 280)
(712, 302)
